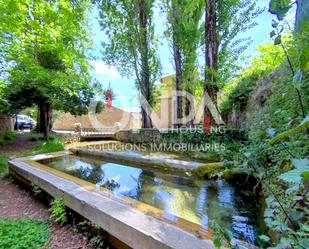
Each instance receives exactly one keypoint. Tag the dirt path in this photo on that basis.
(15, 203)
(17, 146)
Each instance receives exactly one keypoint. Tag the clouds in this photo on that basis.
(124, 89)
(104, 70)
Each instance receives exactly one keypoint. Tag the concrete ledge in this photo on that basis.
(139, 158)
(131, 226)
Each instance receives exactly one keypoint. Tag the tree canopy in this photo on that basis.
(45, 46)
(132, 46)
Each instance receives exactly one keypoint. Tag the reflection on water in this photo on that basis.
(194, 200)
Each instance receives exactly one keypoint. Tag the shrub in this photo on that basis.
(198, 137)
(238, 90)
(8, 136)
(58, 211)
(3, 163)
(35, 137)
(23, 234)
(53, 144)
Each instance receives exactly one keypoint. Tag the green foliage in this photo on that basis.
(280, 7)
(53, 144)
(46, 48)
(92, 231)
(36, 190)
(131, 45)
(3, 164)
(221, 235)
(274, 159)
(304, 125)
(217, 145)
(206, 170)
(58, 211)
(238, 91)
(234, 17)
(208, 156)
(8, 136)
(31, 112)
(34, 136)
(184, 31)
(23, 234)
(198, 136)
(295, 176)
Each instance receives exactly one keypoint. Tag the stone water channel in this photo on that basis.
(162, 182)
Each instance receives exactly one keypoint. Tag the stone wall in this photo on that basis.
(239, 117)
(6, 123)
(138, 136)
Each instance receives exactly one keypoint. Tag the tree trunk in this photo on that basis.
(211, 54)
(45, 118)
(145, 77)
(178, 69)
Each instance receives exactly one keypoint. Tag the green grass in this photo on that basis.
(23, 234)
(8, 136)
(50, 146)
(3, 164)
(34, 136)
(53, 144)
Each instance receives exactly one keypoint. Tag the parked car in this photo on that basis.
(24, 122)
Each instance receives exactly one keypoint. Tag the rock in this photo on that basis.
(207, 156)
(242, 180)
(208, 169)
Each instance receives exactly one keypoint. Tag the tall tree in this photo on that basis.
(45, 50)
(131, 46)
(224, 20)
(184, 31)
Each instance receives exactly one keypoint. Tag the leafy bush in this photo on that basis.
(8, 136)
(23, 234)
(36, 190)
(277, 153)
(3, 163)
(58, 211)
(53, 144)
(221, 145)
(221, 235)
(34, 136)
(198, 137)
(238, 91)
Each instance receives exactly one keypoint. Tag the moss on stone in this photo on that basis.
(245, 182)
(207, 169)
(228, 174)
(207, 156)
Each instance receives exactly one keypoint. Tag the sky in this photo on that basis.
(124, 88)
